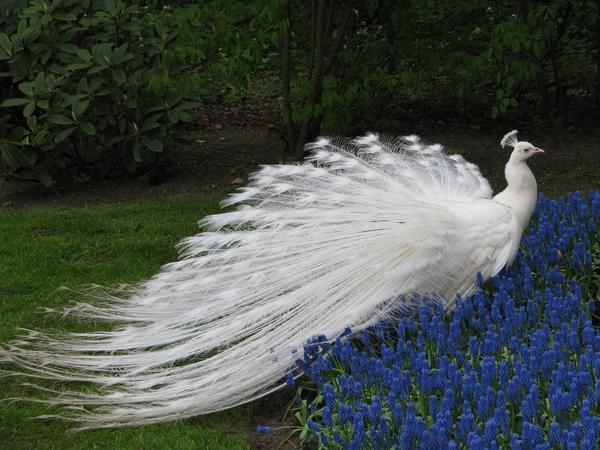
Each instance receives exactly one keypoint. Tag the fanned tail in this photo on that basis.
(342, 240)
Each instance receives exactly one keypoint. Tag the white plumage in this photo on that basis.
(341, 240)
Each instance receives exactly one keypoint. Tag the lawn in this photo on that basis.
(42, 250)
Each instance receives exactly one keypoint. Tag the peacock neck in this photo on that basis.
(521, 192)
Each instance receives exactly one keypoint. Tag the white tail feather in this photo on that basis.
(342, 240)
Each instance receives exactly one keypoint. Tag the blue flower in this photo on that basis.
(327, 417)
(410, 432)
(516, 443)
(532, 435)
(504, 373)
(474, 347)
(555, 434)
(501, 414)
(291, 383)
(434, 406)
(265, 430)
(448, 401)
(466, 422)
(531, 404)
(346, 414)
(398, 414)
(360, 435)
(489, 371)
(388, 356)
(540, 321)
(589, 333)
(513, 389)
(548, 362)
(475, 442)
(366, 339)
(376, 409)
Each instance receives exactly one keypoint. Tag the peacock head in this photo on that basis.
(522, 150)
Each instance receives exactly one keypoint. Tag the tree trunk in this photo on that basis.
(321, 61)
(287, 73)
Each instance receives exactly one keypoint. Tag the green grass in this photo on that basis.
(42, 250)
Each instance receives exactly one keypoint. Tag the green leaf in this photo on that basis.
(45, 178)
(8, 156)
(14, 102)
(96, 69)
(109, 5)
(16, 134)
(130, 26)
(118, 53)
(72, 99)
(136, 150)
(510, 81)
(29, 109)
(64, 134)
(32, 122)
(149, 124)
(5, 43)
(117, 138)
(46, 56)
(68, 48)
(39, 81)
(57, 69)
(159, 28)
(172, 116)
(79, 108)
(83, 54)
(67, 17)
(185, 117)
(27, 89)
(59, 119)
(153, 144)
(77, 66)
(40, 139)
(119, 76)
(187, 105)
(95, 83)
(88, 128)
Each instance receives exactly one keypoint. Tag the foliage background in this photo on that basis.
(95, 88)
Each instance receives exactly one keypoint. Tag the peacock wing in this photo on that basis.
(490, 233)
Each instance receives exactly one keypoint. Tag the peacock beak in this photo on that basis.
(538, 150)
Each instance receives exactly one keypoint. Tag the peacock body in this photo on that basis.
(341, 240)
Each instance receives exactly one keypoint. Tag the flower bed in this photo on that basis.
(516, 366)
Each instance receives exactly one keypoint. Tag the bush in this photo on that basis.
(84, 90)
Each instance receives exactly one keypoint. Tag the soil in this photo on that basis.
(231, 142)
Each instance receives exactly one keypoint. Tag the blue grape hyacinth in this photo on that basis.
(515, 366)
